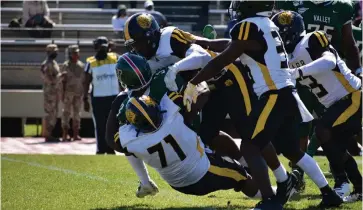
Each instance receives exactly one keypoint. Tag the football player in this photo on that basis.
(135, 76)
(333, 17)
(318, 65)
(278, 112)
(174, 48)
(157, 134)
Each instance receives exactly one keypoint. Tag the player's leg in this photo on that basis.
(341, 118)
(223, 174)
(256, 146)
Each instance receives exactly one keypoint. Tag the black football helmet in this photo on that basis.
(143, 113)
(142, 34)
(291, 28)
(242, 9)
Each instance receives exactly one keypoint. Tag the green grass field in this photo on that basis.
(108, 182)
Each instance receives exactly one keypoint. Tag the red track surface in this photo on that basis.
(31, 145)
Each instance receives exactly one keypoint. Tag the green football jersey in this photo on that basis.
(156, 91)
(357, 33)
(329, 16)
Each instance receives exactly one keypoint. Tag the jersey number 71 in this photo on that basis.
(159, 148)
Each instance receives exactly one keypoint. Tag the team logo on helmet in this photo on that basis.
(148, 101)
(144, 21)
(130, 116)
(285, 18)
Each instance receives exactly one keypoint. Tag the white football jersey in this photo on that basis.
(329, 86)
(269, 65)
(174, 150)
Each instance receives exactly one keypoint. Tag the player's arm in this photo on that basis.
(112, 124)
(323, 58)
(350, 49)
(244, 36)
(192, 56)
(216, 45)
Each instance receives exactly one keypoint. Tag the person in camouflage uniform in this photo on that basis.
(72, 92)
(51, 77)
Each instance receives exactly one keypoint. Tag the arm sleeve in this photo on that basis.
(326, 62)
(195, 58)
(140, 169)
(46, 9)
(180, 42)
(318, 44)
(245, 31)
(348, 12)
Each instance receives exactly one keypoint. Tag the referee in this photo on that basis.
(100, 71)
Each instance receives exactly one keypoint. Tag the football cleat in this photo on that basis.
(148, 189)
(268, 204)
(342, 189)
(353, 197)
(287, 188)
(330, 199)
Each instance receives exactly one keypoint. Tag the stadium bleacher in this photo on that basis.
(77, 22)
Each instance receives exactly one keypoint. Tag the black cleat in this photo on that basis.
(300, 185)
(287, 188)
(268, 204)
(330, 199)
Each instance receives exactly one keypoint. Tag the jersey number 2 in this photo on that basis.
(159, 148)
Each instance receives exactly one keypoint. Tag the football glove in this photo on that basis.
(191, 94)
(148, 189)
(169, 79)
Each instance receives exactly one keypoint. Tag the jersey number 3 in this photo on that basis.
(159, 148)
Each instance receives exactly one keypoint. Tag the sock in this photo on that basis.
(140, 169)
(313, 146)
(311, 168)
(243, 162)
(351, 168)
(280, 174)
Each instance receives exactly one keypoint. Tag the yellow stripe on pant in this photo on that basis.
(242, 85)
(226, 172)
(262, 119)
(351, 110)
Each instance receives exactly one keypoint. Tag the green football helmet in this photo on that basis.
(133, 71)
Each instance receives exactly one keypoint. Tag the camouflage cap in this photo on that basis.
(73, 48)
(51, 48)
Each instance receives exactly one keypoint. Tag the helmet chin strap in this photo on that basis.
(264, 13)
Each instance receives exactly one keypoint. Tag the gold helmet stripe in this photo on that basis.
(126, 31)
(142, 110)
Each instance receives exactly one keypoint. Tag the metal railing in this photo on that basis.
(221, 12)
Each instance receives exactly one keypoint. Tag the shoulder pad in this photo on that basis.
(320, 38)
(90, 59)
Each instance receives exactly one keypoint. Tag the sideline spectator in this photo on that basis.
(118, 20)
(160, 18)
(72, 93)
(36, 14)
(101, 73)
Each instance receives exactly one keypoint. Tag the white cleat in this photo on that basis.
(149, 189)
(353, 197)
(342, 190)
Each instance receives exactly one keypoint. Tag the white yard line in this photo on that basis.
(54, 168)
